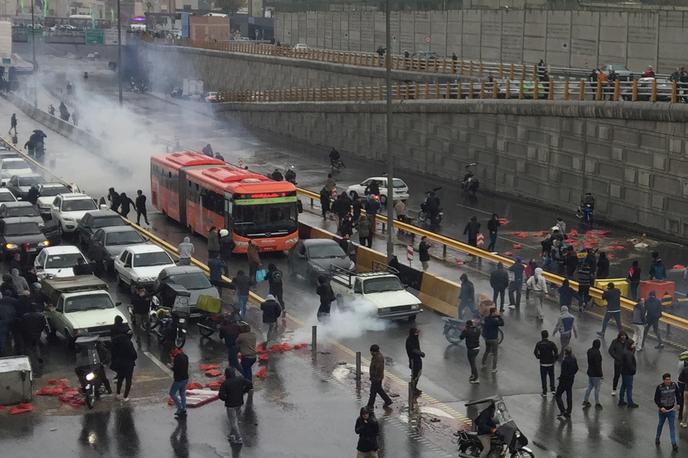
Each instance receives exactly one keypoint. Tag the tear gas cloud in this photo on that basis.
(351, 321)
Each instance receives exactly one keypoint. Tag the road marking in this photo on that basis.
(158, 363)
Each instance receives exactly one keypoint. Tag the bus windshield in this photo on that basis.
(258, 219)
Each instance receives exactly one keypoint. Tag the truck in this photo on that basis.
(79, 305)
(383, 289)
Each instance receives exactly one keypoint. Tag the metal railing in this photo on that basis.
(650, 90)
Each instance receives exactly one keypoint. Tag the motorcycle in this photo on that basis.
(470, 183)
(89, 369)
(336, 165)
(584, 213)
(426, 217)
(508, 440)
(453, 329)
(171, 327)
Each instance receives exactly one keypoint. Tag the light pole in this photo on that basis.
(33, 51)
(388, 131)
(119, 51)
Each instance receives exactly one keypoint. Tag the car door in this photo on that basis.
(39, 262)
(96, 246)
(12, 186)
(119, 265)
(56, 317)
(55, 207)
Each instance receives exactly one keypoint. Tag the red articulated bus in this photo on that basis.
(201, 192)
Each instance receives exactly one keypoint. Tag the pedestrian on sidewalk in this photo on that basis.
(516, 285)
(275, 286)
(367, 429)
(594, 374)
(653, 310)
(584, 282)
(246, 341)
(566, 327)
(472, 335)
(490, 332)
(467, 297)
(377, 374)
(140, 205)
(226, 248)
(185, 250)
(271, 311)
(616, 349)
(241, 283)
(569, 367)
(472, 230)
(639, 321)
(499, 280)
(253, 258)
(415, 356)
(667, 399)
(492, 228)
(363, 228)
(547, 353)
(613, 298)
(424, 252)
(633, 279)
(123, 362)
(213, 243)
(180, 371)
(232, 393)
(538, 287)
(628, 369)
(13, 124)
(326, 295)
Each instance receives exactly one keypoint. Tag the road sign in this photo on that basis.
(94, 37)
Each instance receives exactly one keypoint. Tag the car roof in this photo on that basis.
(73, 196)
(53, 184)
(29, 175)
(145, 248)
(101, 213)
(13, 159)
(5, 190)
(61, 249)
(20, 219)
(17, 204)
(177, 270)
(314, 242)
(110, 229)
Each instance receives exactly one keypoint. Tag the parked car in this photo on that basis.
(191, 278)
(68, 209)
(300, 47)
(20, 185)
(425, 55)
(311, 258)
(664, 89)
(140, 265)
(623, 73)
(401, 191)
(10, 166)
(108, 242)
(6, 195)
(21, 233)
(58, 261)
(94, 220)
(211, 97)
(46, 196)
(21, 209)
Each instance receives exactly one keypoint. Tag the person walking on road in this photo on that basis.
(683, 388)
(226, 249)
(213, 243)
(547, 353)
(472, 230)
(368, 430)
(275, 286)
(123, 362)
(653, 309)
(180, 370)
(125, 204)
(13, 124)
(613, 298)
(424, 252)
(594, 374)
(325, 196)
(241, 283)
(472, 336)
(141, 304)
(657, 268)
(499, 280)
(415, 356)
(491, 325)
(467, 297)
(538, 286)
(584, 282)
(253, 260)
(602, 266)
(516, 285)
(232, 393)
(566, 327)
(569, 368)
(326, 295)
(667, 398)
(492, 228)
(186, 250)
(566, 293)
(628, 369)
(377, 374)
(140, 205)
(363, 228)
(246, 341)
(633, 279)
(271, 311)
(639, 320)
(616, 349)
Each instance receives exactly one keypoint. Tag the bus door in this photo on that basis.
(183, 186)
(229, 206)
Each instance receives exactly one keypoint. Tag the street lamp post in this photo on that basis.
(119, 51)
(388, 131)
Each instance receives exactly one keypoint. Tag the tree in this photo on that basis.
(229, 6)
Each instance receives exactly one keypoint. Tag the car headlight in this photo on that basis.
(71, 220)
(44, 243)
(415, 306)
(11, 246)
(318, 268)
(81, 332)
(90, 376)
(383, 310)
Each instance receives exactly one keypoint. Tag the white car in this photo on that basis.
(46, 195)
(68, 209)
(140, 265)
(11, 166)
(6, 196)
(301, 47)
(401, 191)
(57, 261)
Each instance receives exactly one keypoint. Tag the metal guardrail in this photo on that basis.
(561, 90)
(447, 242)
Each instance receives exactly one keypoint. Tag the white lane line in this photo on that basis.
(158, 363)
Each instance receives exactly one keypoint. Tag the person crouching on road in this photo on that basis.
(271, 311)
(232, 393)
(367, 429)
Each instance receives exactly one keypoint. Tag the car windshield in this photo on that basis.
(156, 258)
(258, 220)
(21, 211)
(60, 261)
(107, 221)
(15, 165)
(28, 228)
(398, 183)
(124, 238)
(78, 205)
(88, 302)
(53, 190)
(7, 197)
(381, 284)
(328, 250)
(193, 280)
(29, 181)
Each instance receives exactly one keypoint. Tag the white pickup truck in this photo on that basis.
(382, 289)
(79, 306)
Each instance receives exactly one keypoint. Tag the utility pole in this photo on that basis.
(388, 131)
(119, 50)
(33, 51)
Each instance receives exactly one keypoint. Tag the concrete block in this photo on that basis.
(532, 152)
(676, 145)
(617, 153)
(629, 174)
(615, 190)
(644, 178)
(659, 161)
(604, 132)
(667, 185)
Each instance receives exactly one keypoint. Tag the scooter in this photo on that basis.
(470, 183)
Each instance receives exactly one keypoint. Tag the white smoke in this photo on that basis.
(350, 321)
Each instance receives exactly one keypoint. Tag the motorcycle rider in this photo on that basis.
(485, 426)
(290, 175)
(431, 206)
(277, 175)
(335, 158)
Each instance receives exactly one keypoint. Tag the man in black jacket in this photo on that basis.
(232, 392)
(415, 356)
(275, 286)
(616, 351)
(628, 368)
(569, 367)
(594, 374)
(180, 369)
(471, 231)
(472, 336)
(140, 303)
(546, 351)
(499, 280)
(367, 429)
(271, 311)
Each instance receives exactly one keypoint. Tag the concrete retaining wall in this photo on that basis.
(634, 158)
(563, 38)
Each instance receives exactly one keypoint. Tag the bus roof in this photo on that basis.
(181, 159)
(229, 178)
